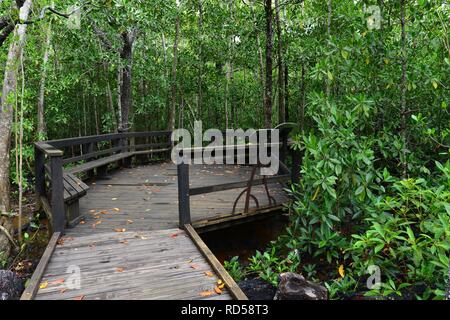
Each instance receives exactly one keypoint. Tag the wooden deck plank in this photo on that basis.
(148, 272)
(156, 264)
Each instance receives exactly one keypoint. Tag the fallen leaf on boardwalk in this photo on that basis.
(194, 266)
(206, 293)
(219, 282)
(341, 271)
(82, 222)
(209, 274)
(94, 225)
(119, 269)
(92, 211)
(174, 235)
(62, 290)
(79, 297)
(116, 209)
(123, 241)
(114, 199)
(130, 221)
(120, 230)
(43, 285)
(217, 290)
(222, 286)
(61, 241)
(58, 281)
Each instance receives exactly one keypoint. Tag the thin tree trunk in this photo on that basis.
(269, 47)
(41, 127)
(97, 122)
(126, 98)
(260, 59)
(172, 109)
(281, 102)
(403, 89)
(6, 117)
(302, 99)
(330, 12)
(286, 91)
(84, 114)
(119, 94)
(109, 97)
(200, 61)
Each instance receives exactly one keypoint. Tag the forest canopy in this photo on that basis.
(364, 82)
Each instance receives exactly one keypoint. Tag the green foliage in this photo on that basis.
(234, 268)
(268, 265)
(409, 235)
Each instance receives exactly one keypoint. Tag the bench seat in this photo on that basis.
(98, 163)
(102, 162)
(74, 189)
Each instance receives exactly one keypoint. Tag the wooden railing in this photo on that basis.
(185, 191)
(50, 160)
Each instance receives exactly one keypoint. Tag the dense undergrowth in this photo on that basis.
(354, 225)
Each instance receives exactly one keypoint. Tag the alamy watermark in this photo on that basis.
(234, 146)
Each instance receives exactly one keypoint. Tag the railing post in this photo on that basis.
(88, 148)
(184, 209)
(39, 172)
(296, 164)
(58, 212)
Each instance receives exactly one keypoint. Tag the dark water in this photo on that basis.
(244, 239)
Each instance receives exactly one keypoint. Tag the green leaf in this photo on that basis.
(330, 75)
(359, 190)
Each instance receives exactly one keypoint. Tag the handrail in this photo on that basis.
(60, 143)
(185, 191)
(53, 150)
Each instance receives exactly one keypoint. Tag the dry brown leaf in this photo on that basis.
(120, 230)
(120, 269)
(130, 221)
(82, 222)
(116, 209)
(206, 293)
(94, 225)
(217, 290)
(194, 266)
(209, 274)
(62, 290)
(79, 297)
(123, 241)
(58, 281)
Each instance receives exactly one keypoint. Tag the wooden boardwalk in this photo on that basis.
(129, 246)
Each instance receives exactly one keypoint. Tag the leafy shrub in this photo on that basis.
(234, 268)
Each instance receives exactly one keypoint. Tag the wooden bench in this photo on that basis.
(101, 165)
(74, 189)
(98, 152)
